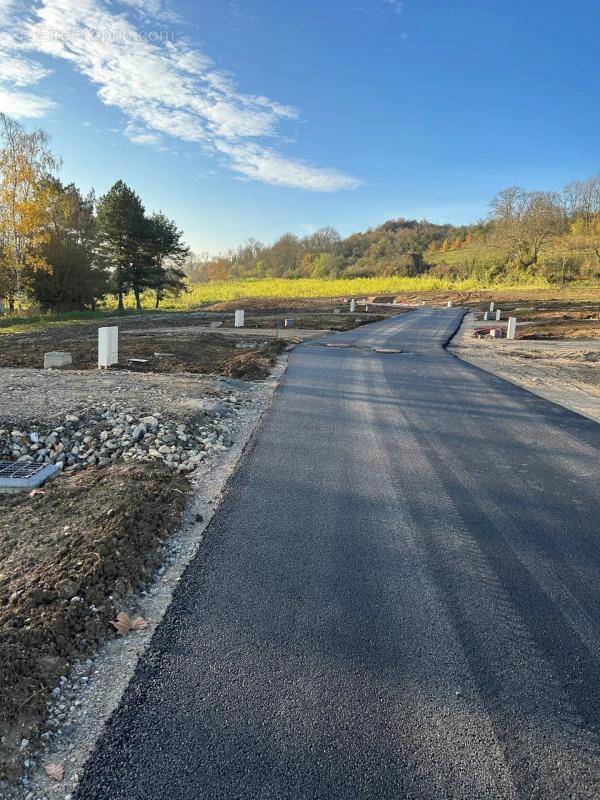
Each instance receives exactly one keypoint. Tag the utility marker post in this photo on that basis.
(512, 328)
(498, 314)
(108, 347)
(492, 306)
(239, 319)
(352, 306)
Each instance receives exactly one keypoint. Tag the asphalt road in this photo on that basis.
(399, 597)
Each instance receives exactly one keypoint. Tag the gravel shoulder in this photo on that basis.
(564, 371)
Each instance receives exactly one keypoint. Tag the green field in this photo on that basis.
(280, 288)
(321, 287)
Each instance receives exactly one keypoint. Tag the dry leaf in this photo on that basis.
(123, 624)
(33, 492)
(55, 771)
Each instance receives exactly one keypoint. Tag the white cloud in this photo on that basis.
(24, 104)
(166, 88)
(152, 9)
(263, 164)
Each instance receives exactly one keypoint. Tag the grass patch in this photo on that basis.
(299, 288)
(41, 322)
(292, 288)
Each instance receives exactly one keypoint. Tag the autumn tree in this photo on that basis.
(27, 198)
(524, 222)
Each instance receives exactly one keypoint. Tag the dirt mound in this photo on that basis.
(68, 558)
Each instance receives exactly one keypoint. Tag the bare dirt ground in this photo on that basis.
(557, 298)
(565, 371)
(541, 314)
(311, 314)
(185, 342)
(203, 352)
(70, 558)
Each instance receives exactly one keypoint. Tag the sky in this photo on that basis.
(257, 117)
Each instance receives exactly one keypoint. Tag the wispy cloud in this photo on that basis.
(165, 86)
(24, 104)
(397, 6)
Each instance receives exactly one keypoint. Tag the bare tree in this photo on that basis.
(525, 221)
(582, 199)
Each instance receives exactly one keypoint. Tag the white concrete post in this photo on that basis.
(486, 316)
(239, 319)
(108, 347)
(450, 303)
(512, 328)
(352, 306)
(498, 314)
(492, 306)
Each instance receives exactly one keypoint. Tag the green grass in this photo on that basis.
(319, 287)
(481, 254)
(282, 288)
(39, 322)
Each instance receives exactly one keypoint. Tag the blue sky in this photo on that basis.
(259, 117)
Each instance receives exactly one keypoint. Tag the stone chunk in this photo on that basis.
(57, 360)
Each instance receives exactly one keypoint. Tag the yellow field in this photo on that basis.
(320, 287)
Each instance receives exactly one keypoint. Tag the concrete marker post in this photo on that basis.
(108, 347)
(352, 306)
(239, 319)
(498, 315)
(512, 328)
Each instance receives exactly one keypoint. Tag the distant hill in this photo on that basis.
(528, 233)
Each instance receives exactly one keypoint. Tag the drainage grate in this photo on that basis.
(20, 476)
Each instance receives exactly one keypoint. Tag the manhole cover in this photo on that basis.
(21, 476)
(389, 350)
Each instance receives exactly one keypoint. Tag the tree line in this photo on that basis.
(518, 238)
(63, 250)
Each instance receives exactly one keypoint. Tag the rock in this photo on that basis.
(149, 421)
(137, 432)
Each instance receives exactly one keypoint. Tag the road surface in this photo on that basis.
(399, 597)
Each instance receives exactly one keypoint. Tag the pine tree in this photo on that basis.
(124, 235)
(166, 256)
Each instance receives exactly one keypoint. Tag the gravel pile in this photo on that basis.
(106, 434)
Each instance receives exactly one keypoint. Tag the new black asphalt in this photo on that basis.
(398, 598)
